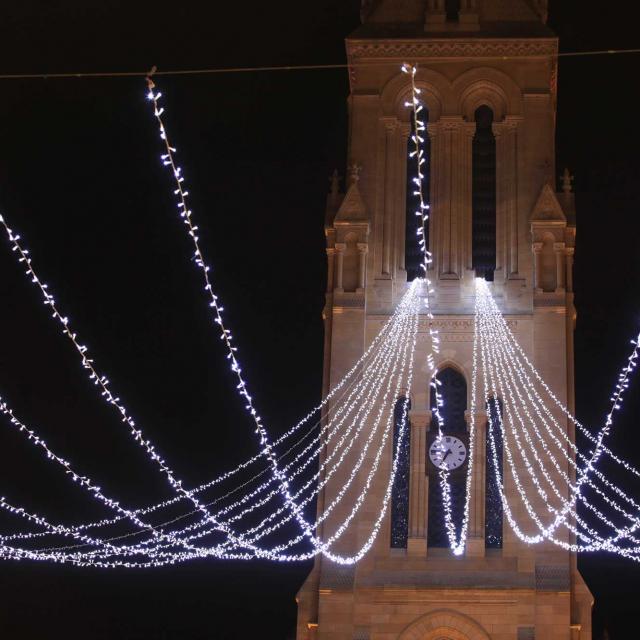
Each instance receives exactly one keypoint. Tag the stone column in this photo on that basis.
(506, 135)
(390, 189)
(451, 192)
(418, 483)
(569, 258)
(330, 259)
(436, 223)
(468, 15)
(402, 157)
(339, 249)
(436, 16)
(558, 247)
(537, 266)
(362, 265)
(464, 188)
(477, 428)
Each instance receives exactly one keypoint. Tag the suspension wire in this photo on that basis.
(300, 67)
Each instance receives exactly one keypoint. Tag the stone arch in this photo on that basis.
(486, 86)
(447, 363)
(444, 624)
(436, 94)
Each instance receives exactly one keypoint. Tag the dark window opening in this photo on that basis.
(452, 10)
(412, 252)
(484, 195)
(453, 390)
(494, 475)
(400, 489)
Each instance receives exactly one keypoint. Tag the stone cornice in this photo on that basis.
(444, 48)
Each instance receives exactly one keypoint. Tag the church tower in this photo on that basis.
(487, 70)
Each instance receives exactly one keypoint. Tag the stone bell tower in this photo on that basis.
(487, 70)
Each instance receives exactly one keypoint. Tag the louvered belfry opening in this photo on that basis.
(494, 474)
(453, 389)
(484, 195)
(400, 489)
(412, 252)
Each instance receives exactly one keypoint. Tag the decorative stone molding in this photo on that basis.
(444, 623)
(547, 209)
(451, 325)
(459, 49)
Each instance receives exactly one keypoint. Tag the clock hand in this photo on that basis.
(449, 452)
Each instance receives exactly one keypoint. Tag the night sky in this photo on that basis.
(80, 178)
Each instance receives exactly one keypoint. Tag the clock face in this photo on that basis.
(449, 453)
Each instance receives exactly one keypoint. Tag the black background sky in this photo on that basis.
(81, 180)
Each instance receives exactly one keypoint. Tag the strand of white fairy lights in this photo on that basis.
(186, 556)
(99, 380)
(616, 398)
(621, 386)
(457, 542)
(192, 229)
(382, 512)
(82, 350)
(380, 449)
(225, 334)
(499, 374)
(497, 343)
(82, 480)
(565, 521)
(591, 534)
(494, 342)
(372, 366)
(186, 215)
(103, 382)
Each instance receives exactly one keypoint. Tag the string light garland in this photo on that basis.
(456, 543)
(101, 380)
(497, 352)
(128, 564)
(356, 427)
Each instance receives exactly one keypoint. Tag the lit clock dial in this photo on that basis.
(449, 453)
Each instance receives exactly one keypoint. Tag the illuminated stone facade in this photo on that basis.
(471, 54)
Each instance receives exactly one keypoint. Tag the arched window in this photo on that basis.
(453, 391)
(412, 253)
(493, 503)
(400, 489)
(484, 195)
(452, 10)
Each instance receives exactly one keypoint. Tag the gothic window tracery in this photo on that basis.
(412, 253)
(453, 389)
(400, 489)
(484, 195)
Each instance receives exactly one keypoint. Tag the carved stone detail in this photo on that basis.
(475, 48)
